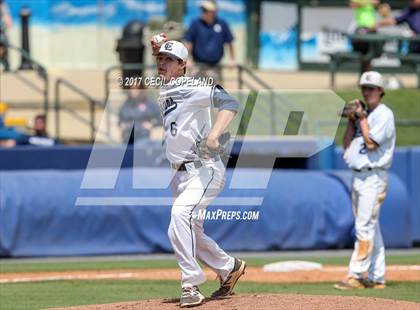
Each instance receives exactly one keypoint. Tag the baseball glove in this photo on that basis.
(350, 108)
(206, 152)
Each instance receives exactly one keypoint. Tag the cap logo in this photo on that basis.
(168, 46)
(368, 77)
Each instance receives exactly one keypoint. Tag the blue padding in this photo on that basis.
(414, 190)
(63, 157)
(323, 160)
(150, 154)
(301, 210)
(339, 161)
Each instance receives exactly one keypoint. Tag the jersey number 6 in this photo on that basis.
(174, 130)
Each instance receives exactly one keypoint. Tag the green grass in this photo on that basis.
(40, 295)
(404, 103)
(410, 259)
(87, 265)
(37, 295)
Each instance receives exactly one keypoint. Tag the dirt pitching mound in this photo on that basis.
(266, 302)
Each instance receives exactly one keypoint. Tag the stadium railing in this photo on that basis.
(411, 60)
(38, 68)
(59, 106)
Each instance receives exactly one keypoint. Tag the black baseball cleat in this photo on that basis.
(226, 287)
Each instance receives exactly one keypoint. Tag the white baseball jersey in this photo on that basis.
(186, 112)
(381, 130)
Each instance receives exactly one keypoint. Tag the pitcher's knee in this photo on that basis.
(177, 211)
(179, 214)
(364, 249)
(179, 220)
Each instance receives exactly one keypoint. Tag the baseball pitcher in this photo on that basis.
(193, 148)
(369, 143)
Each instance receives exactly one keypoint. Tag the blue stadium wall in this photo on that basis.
(301, 210)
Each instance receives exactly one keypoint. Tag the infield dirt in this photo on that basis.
(253, 274)
(265, 302)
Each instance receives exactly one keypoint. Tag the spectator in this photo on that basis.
(410, 16)
(365, 13)
(40, 136)
(365, 17)
(40, 126)
(9, 136)
(5, 23)
(205, 41)
(138, 111)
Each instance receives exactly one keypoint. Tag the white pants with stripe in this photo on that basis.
(194, 190)
(368, 193)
